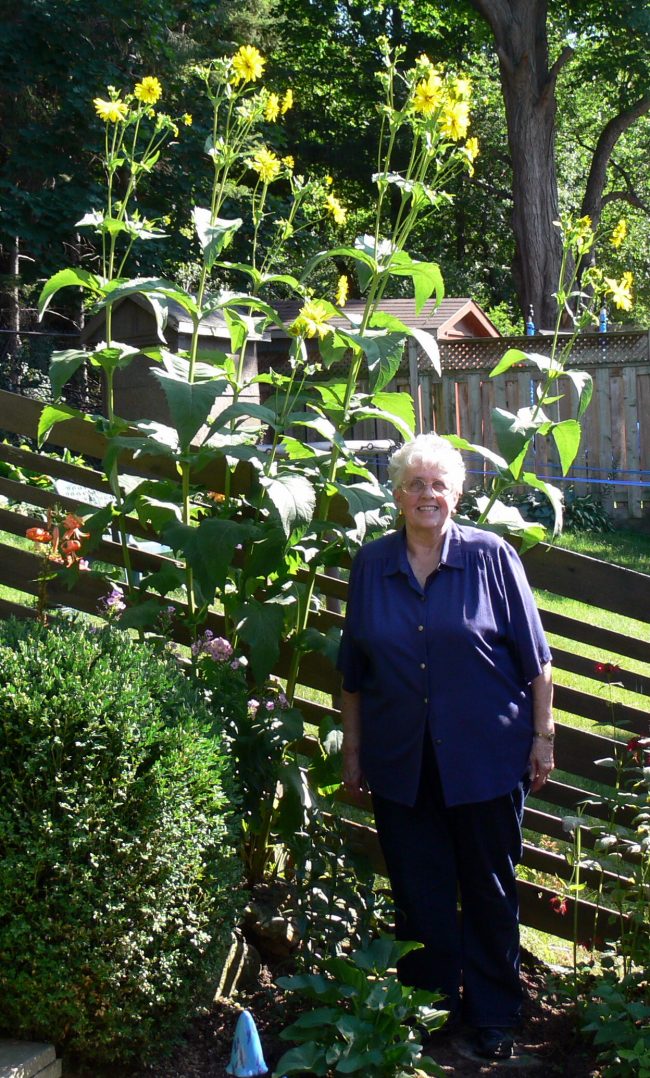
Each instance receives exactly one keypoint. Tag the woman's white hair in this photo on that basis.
(427, 449)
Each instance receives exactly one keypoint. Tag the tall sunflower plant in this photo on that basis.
(582, 287)
(276, 536)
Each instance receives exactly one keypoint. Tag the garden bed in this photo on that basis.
(549, 1043)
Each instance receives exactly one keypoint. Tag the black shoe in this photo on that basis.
(494, 1043)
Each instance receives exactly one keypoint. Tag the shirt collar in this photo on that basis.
(451, 556)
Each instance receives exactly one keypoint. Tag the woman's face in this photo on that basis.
(426, 499)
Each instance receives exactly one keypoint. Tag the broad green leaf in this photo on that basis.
(584, 386)
(150, 288)
(462, 443)
(62, 366)
(56, 413)
(515, 432)
(238, 327)
(189, 405)
(366, 264)
(429, 346)
(213, 235)
(383, 351)
(156, 512)
(395, 408)
(508, 360)
(294, 499)
(362, 499)
(179, 366)
(426, 277)
(66, 278)
(113, 357)
(245, 410)
(260, 625)
(297, 450)
(554, 495)
(306, 1059)
(333, 348)
(566, 436)
(208, 549)
(327, 644)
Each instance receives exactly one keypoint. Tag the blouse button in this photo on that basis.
(420, 628)
(423, 666)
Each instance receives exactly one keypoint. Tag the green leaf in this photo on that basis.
(53, 414)
(429, 346)
(189, 404)
(208, 549)
(366, 264)
(462, 443)
(238, 327)
(383, 351)
(307, 1058)
(62, 367)
(244, 410)
(64, 279)
(260, 625)
(566, 436)
(113, 357)
(584, 385)
(426, 277)
(213, 235)
(554, 495)
(395, 408)
(362, 499)
(508, 360)
(293, 497)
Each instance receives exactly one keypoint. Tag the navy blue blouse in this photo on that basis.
(457, 656)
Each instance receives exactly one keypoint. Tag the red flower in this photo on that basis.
(38, 535)
(638, 747)
(559, 904)
(607, 669)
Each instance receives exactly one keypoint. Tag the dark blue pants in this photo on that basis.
(434, 854)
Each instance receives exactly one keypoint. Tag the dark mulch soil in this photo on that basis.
(547, 1045)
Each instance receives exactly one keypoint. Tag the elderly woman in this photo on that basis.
(447, 720)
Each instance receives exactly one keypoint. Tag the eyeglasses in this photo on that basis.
(418, 486)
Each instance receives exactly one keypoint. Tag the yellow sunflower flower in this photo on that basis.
(289, 162)
(272, 108)
(110, 111)
(266, 164)
(342, 289)
(428, 95)
(455, 120)
(462, 89)
(187, 119)
(148, 90)
(338, 212)
(287, 101)
(621, 291)
(619, 233)
(248, 64)
(312, 321)
(472, 148)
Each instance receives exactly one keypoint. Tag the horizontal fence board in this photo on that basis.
(575, 576)
(535, 907)
(601, 711)
(578, 664)
(611, 643)
(54, 468)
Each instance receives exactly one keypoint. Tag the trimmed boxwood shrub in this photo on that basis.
(118, 876)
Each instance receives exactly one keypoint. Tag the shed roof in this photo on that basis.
(454, 317)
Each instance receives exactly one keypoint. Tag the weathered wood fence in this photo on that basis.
(613, 462)
(23, 505)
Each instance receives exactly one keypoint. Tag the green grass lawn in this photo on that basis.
(625, 547)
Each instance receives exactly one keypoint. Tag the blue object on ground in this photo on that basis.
(246, 1058)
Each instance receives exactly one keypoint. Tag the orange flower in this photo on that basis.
(38, 535)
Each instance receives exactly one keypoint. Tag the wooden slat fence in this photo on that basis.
(560, 572)
(614, 457)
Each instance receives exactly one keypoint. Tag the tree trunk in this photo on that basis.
(528, 86)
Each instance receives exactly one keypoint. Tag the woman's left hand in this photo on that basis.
(540, 763)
